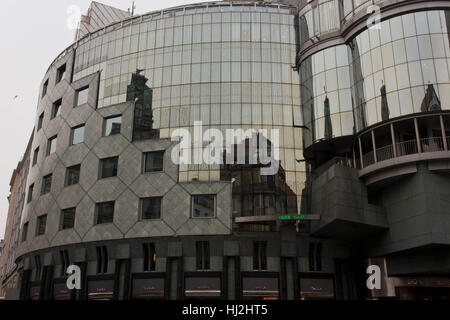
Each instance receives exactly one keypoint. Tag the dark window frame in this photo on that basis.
(24, 232)
(56, 108)
(154, 169)
(44, 183)
(150, 257)
(105, 126)
(203, 255)
(35, 156)
(40, 121)
(63, 215)
(72, 134)
(60, 73)
(260, 255)
(44, 88)
(30, 193)
(49, 145)
(193, 205)
(101, 168)
(67, 178)
(41, 225)
(99, 214)
(77, 96)
(141, 208)
(102, 260)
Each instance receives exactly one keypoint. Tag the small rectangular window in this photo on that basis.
(35, 156)
(40, 121)
(44, 88)
(51, 145)
(81, 96)
(260, 255)
(60, 73)
(151, 208)
(154, 161)
(203, 206)
(25, 232)
(78, 135)
(68, 218)
(40, 225)
(73, 175)
(30, 193)
(149, 257)
(108, 167)
(203, 255)
(102, 260)
(105, 212)
(56, 109)
(65, 261)
(46, 184)
(112, 126)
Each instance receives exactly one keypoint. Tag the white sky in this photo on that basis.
(32, 34)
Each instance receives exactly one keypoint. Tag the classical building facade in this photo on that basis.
(358, 129)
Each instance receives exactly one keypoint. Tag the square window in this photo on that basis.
(40, 121)
(81, 96)
(68, 218)
(40, 225)
(78, 135)
(30, 193)
(112, 126)
(46, 184)
(60, 73)
(154, 161)
(204, 206)
(44, 88)
(51, 145)
(105, 212)
(151, 208)
(108, 167)
(73, 175)
(35, 156)
(56, 109)
(25, 232)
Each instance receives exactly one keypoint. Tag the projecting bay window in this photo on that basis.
(260, 255)
(202, 255)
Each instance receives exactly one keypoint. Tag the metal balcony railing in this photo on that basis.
(405, 148)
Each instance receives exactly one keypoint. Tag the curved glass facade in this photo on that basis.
(380, 74)
(227, 66)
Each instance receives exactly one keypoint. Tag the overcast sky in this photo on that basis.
(32, 34)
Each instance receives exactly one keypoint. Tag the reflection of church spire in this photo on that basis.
(328, 124)
(384, 103)
(431, 100)
(142, 96)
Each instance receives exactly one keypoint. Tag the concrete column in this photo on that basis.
(416, 127)
(374, 147)
(444, 138)
(360, 153)
(394, 142)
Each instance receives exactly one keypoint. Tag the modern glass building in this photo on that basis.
(356, 121)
